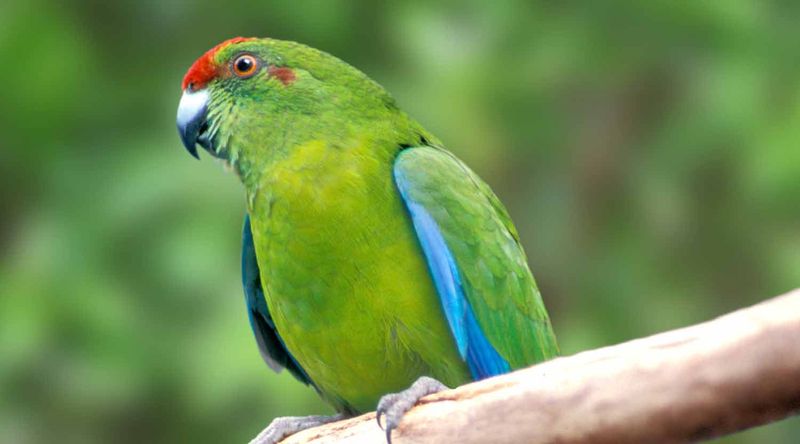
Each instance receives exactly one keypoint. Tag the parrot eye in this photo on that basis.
(245, 66)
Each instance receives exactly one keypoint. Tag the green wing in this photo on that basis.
(490, 266)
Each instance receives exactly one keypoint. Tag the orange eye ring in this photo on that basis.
(245, 66)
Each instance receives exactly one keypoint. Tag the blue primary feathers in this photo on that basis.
(481, 357)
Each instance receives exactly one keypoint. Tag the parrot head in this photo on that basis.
(247, 97)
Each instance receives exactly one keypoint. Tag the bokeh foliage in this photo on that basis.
(648, 151)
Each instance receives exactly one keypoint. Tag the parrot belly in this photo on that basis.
(345, 279)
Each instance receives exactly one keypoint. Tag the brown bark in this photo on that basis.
(737, 371)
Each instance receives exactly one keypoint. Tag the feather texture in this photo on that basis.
(270, 344)
(488, 294)
(482, 359)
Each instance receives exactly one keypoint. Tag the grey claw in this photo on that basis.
(280, 428)
(395, 405)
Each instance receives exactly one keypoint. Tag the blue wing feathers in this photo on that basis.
(444, 272)
(480, 356)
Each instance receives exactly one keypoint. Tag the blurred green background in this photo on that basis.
(647, 150)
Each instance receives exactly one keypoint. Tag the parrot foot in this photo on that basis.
(280, 428)
(395, 405)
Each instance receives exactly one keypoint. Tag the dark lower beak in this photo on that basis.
(192, 123)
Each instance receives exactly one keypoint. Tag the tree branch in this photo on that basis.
(738, 371)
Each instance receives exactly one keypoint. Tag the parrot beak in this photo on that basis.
(192, 122)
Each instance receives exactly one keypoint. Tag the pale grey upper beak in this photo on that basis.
(191, 120)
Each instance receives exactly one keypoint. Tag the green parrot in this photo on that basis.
(372, 257)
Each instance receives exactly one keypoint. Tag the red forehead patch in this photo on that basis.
(204, 69)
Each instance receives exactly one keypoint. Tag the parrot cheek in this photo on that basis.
(191, 120)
